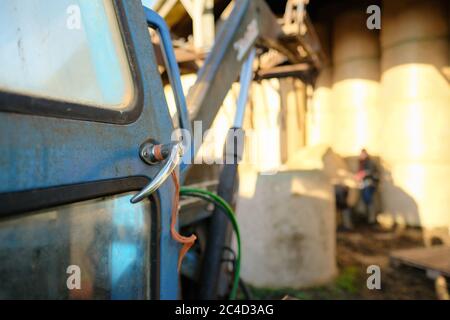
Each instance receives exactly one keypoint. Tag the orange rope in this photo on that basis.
(187, 242)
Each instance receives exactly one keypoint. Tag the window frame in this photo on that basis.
(18, 103)
(21, 203)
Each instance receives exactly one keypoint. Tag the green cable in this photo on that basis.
(210, 196)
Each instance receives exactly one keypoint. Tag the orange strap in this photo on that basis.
(187, 242)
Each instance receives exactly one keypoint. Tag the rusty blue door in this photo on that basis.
(79, 93)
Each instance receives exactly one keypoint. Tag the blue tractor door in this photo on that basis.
(80, 93)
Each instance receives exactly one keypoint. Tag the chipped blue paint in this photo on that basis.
(41, 152)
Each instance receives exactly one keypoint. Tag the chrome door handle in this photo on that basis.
(176, 152)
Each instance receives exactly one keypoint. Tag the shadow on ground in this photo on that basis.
(355, 252)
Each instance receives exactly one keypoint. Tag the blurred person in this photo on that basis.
(368, 179)
(341, 192)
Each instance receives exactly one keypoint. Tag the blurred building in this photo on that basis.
(386, 90)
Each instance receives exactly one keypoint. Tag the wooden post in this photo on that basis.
(203, 24)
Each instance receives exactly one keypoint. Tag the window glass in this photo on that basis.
(69, 50)
(105, 241)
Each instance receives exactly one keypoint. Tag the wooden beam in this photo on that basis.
(165, 8)
(294, 70)
(203, 24)
(183, 55)
(189, 6)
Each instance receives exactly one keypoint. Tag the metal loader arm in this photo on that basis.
(251, 22)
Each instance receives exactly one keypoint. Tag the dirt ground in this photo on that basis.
(357, 250)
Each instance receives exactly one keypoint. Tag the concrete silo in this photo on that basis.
(355, 90)
(415, 98)
(320, 112)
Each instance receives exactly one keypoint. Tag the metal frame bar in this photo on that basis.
(246, 80)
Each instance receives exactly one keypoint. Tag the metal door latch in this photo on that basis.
(153, 154)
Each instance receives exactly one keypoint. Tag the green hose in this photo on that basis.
(217, 200)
